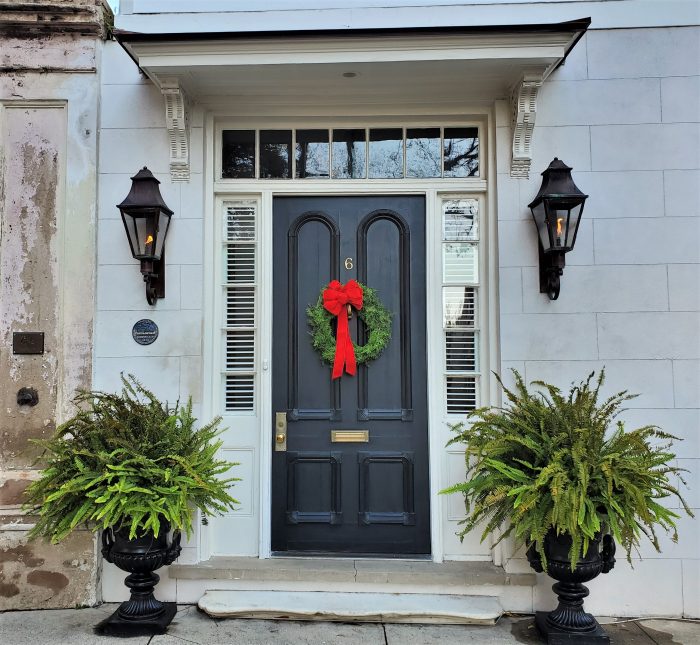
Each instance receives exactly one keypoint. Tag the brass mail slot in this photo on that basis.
(350, 436)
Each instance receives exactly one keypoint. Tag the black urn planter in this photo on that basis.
(142, 614)
(569, 622)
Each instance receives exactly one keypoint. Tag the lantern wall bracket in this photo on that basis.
(551, 270)
(154, 278)
(523, 100)
(177, 125)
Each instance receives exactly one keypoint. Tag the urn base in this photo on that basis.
(115, 625)
(554, 636)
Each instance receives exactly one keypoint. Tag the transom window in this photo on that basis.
(351, 153)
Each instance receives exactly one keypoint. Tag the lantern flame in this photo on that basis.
(559, 226)
(149, 239)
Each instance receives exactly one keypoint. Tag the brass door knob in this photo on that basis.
(280, 437)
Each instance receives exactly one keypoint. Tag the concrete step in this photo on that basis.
(338, 574)
(353, 607)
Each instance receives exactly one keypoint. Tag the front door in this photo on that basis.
(346, 493)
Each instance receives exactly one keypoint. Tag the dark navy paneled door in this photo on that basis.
(358, 496)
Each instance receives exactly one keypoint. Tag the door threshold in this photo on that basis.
(415, 557)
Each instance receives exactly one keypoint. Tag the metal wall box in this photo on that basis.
(28, 342)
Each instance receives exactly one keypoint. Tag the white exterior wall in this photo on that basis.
(630, 291)
(624, 112)
(133, 134)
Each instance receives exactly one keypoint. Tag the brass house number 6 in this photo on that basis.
(348, 263)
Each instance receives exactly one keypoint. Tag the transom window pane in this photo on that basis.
(461, 150)
(349, 154)
(423, 152)
(238, 154)
(275, 154)
(312, 154)
(386, 153)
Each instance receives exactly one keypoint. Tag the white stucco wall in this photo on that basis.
(623, 112)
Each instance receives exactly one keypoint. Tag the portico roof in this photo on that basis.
(417, 67)
(483, 62)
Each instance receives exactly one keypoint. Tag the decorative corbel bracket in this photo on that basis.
(176, 122)
(523, 101)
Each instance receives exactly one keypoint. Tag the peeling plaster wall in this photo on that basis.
(49, 100)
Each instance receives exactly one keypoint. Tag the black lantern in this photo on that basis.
(146, 219)
(557, 213)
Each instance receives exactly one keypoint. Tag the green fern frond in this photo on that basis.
(128, 460)
(549, 461)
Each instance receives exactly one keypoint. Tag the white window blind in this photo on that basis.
(239, 297)
(460, 303)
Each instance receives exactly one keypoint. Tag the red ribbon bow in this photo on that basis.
(336, 300)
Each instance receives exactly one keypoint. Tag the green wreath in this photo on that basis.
(374, 314)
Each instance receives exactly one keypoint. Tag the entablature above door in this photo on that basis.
(426, 67)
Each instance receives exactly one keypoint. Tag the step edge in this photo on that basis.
(199, 572)
(488, 613)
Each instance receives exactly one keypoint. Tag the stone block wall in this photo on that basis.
(624, 112)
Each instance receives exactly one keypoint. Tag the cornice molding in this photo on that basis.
(26, 19)
(523, 101)
(177, 125)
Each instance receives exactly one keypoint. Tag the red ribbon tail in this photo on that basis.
(350, 365)
(342, 338)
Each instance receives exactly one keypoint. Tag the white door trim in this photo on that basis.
(265, 191)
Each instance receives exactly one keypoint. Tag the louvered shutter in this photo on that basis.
(240, 332)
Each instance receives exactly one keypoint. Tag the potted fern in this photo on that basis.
(128, 465)
(565, 478)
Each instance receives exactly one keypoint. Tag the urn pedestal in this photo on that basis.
(143, 614)
(569, 623)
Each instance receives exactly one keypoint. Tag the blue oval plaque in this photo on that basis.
(144, 332)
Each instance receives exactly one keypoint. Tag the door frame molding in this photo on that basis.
(218, 191)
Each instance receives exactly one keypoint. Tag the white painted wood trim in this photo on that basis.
(219, 191)
(434, 349)
(265, 340)
(492, 392)
(209, 332)
(187, 55)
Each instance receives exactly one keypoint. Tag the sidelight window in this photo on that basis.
(460, 303)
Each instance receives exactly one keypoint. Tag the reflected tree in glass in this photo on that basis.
(275, 154)
(349, 154)
(461, 152)
(386, 153)
(423, 152)
(312, 154)
(238, 154)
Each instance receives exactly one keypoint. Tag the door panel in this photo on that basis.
(359, 497)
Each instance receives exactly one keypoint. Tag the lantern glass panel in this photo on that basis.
(163, 223)
(539, 213)
(144, 237)
(563, 218)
